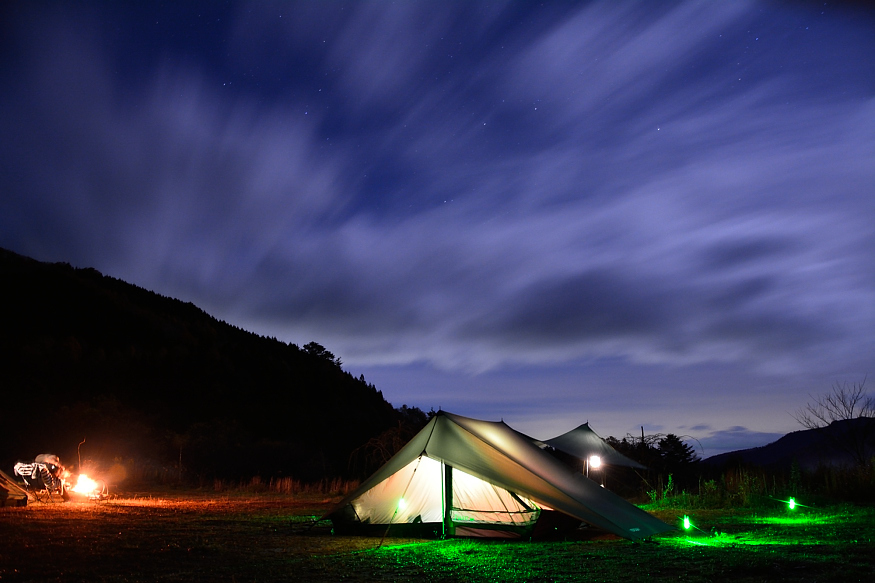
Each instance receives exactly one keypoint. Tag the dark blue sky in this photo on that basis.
(655, 214)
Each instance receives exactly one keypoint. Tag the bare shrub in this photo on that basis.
(843, 403)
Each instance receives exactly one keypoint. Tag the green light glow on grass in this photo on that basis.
(779, 530)
(791, 520)
(791, 503)
(741, 539)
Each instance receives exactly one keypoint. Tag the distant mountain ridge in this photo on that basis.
(146, 377)
(809, 448)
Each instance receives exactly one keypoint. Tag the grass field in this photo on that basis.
(200, 537)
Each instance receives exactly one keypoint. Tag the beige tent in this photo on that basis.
(582, 442)
(11, 493)
(466, 477)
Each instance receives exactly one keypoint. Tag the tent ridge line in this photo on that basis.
(515, 460)
(525, 466)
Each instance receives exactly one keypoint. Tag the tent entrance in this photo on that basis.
(480, 508)
(417, 495)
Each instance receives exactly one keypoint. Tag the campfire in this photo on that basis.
(88, 488)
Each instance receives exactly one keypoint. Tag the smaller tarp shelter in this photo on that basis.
(582, 442)
(11, 494)
(465, 477)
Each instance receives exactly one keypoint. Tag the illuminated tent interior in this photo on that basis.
(465, 477)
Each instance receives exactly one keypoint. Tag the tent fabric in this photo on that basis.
(11, 493)
(523, 479)
(582, 442)
(415, 492)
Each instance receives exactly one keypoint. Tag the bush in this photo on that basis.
(754, 487)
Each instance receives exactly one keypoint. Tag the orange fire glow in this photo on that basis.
(84, 485)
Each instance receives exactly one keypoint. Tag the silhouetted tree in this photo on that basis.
(843, 403)
(319, 351)
(643, 449)
(413, 417)
(378, 450)
(676, 455)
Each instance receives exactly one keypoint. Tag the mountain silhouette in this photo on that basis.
(830, 446)
(157, 383)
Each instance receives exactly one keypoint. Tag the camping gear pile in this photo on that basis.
(43, 477)
(46, 480)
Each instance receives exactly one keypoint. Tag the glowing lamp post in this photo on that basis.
(594, 462)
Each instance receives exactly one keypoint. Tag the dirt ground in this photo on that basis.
(200, 537)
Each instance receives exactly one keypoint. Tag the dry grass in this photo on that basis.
(266, 537)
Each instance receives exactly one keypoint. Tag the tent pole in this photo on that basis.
(448, 501)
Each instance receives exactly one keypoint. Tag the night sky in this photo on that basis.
(656, 213)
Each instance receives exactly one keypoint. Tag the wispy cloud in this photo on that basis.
(469, 187)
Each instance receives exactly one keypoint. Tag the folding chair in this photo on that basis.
(34, 481)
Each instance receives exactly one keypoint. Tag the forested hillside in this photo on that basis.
(154, 381)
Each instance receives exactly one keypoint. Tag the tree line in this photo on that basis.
(158, 382)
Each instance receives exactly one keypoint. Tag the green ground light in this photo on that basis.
(747, 545)
(790, 528)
